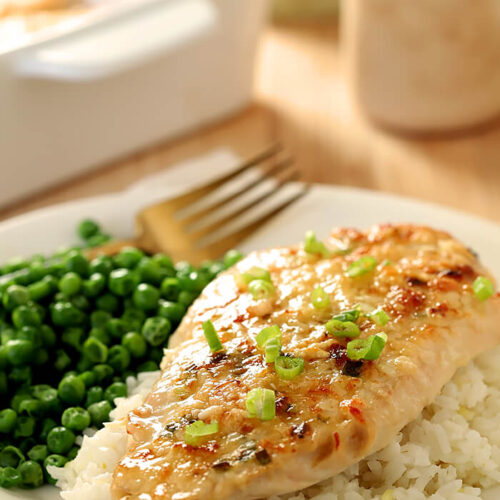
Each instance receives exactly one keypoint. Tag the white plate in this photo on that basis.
(323, 208)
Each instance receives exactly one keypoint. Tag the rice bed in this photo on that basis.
(451, 452)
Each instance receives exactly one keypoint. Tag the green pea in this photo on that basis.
(15, 296)
(151, 272)
(73, 337)
(99, 319)
(135, 344)
(186, 298)
(76, 262)
(47, 425)
(98, 240)
(122, 282)
(115, 390)
(3, 358)
(10, 478)
(4, 384)
(163, 261)
(8, 334)
(73, 453)
(31, 407)
(94, 395)
(95, 351)
(39, 290)
(41, 357)
(48, 396)
(19, 352)
(52, 281)
(62, 360)
(26, 315)
(116, 328)
(170, 288)
(183, 268)
(21, 375)
(25, 426)
(88, 378)
(80, 302)
(38, 453)
(99, 413)
(66, 314)
(87, 228)
(93, 286)
(75, 419)
(133, 319)
(173, 311)
(118, 358)
(147, 366)
(8, 419)
(101, 335)
(70, 284)
(128, 257)
(31, 474)
(71, 390)
(49, 337)
(231, 258)
(53, 460)
(146, 297)
(102, 372)
(18, 398)
(11, 456)
(193, 282)
(31, 333)
(102, 265)
(60, 440)
(107, 302)
(156, 330)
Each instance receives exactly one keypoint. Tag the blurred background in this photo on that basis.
(392, 95)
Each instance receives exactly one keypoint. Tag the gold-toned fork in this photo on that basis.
(163, 227)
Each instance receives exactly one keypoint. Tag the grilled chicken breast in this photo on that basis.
(337, 410)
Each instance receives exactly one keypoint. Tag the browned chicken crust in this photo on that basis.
(337, 411)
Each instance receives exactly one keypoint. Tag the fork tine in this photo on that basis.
(186, 199)
(206, 230)
(232, 240)
(277, 168)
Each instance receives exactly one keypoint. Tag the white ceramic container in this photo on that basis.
(151, 70)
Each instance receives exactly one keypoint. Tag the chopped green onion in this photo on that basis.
(261, 289)
(197, 431)
(483, 288)
(361, 266)
(255, 273)
(351, 315)
(211, 335)
(319, 298)
(343, 329)
(267, 334)
(315, 247)
(273, 349)
(379, 317)
(288, 368)
(261, 403)
(386, 263)
(368, 349)
(342, 247)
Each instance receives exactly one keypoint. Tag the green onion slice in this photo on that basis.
(319, 298)
(288, 368)
(261, 403)
(386, 263)
(351, 315)
(343, 329)
(261, 289)
(315, 247)
(211, 335)
(379, 317)
(483, 288)
(361, 266)
(368, 349)
(256, 273)
(267, 334)
(273, 349)
(197, 431)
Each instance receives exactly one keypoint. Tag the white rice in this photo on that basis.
(451, 452)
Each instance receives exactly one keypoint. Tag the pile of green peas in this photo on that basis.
(71, 331)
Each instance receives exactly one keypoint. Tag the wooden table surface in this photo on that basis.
(301, 100)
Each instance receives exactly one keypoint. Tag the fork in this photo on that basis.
(164, 227)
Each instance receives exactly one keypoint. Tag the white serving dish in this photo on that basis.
(146, 71)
